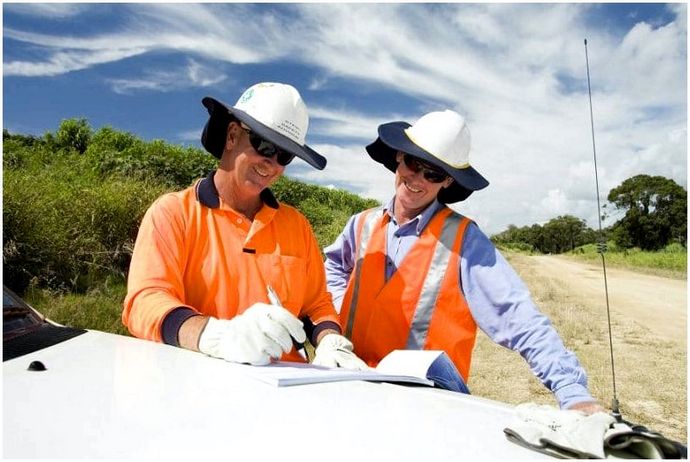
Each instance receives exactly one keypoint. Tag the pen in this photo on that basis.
(273, 298)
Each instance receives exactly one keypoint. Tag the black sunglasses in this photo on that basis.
(431, 174)
(267, 149)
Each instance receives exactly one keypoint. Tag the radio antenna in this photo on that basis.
(601, 248)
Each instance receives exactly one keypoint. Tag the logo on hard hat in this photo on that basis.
(246, 96)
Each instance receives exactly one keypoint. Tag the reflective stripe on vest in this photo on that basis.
(369, 217)
(432, 284)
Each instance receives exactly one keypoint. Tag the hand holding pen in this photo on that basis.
(273, 298)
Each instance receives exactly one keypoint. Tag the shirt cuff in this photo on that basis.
(572, 394)
(172, 323)
(322, 326)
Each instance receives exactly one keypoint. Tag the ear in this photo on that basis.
(398, 157)
(448, 181)
(232, 135)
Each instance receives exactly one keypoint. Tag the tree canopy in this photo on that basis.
(655, 212)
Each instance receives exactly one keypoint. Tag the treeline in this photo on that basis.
(557, 236)
(73, 201)
(655, 216)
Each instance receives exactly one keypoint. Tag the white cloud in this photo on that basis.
(67, 61)
(47, 10)
(345, 124)
(191, 75)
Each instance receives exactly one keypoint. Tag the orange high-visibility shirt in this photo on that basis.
(421, 306)
(194, 251)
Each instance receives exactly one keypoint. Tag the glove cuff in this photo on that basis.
(210, 337)
(336, 342)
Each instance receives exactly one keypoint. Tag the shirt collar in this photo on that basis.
(207, 194)
(422, 219)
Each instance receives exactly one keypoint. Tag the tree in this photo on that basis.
(655, 212)
(74, 134)
(563, 233)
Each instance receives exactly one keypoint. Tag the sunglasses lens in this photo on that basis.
(431, 175)
(268, 149)
(411, 163)
(434, 177)
(284, 158)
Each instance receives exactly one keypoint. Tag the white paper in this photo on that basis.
(408, 362)
(284, 373)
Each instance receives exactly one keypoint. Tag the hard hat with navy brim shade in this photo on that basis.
(274, 111)
(441, 139)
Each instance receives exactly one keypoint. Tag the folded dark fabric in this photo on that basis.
(573, 435)
(644, 443)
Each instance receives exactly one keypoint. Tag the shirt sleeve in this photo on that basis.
(155, 283)
(503, 309)
(340, 260)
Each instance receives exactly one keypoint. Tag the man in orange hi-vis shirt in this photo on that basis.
(221, 267)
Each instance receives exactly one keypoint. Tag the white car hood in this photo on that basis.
(105, 395)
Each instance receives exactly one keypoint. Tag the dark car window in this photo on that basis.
(17, 316)
(25, 331)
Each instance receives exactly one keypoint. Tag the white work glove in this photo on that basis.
(255, 336)
(561, 432)
(336, 351)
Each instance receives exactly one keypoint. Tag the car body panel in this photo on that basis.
(105, 395)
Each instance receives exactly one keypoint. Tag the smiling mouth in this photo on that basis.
(411, 189)
(261, 173)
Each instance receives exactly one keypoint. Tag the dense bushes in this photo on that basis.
(66, 227)
(73, 200)
(113, 152)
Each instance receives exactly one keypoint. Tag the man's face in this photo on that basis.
(253, 172)
(413, 190)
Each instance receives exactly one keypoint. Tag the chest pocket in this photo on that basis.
(288, 277)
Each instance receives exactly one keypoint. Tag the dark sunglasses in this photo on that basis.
(267, 149)
(431, 174)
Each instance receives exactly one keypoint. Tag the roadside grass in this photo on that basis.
(99, 309)
(651, 374)
(671, 262)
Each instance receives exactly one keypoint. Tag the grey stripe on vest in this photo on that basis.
(367, 228)
(419, 330)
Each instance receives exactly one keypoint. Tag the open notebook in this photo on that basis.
(400, 366)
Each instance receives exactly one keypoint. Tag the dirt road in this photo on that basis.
(659, 304)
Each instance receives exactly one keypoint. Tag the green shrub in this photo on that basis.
(73, 134)
(113, 152)
(66, 229)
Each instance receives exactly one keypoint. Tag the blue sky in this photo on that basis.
(515, 71)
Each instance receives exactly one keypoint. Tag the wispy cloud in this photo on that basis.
(192, 75)
(47, 10)
(67, 61)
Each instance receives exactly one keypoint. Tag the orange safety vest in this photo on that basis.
(421, 306)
